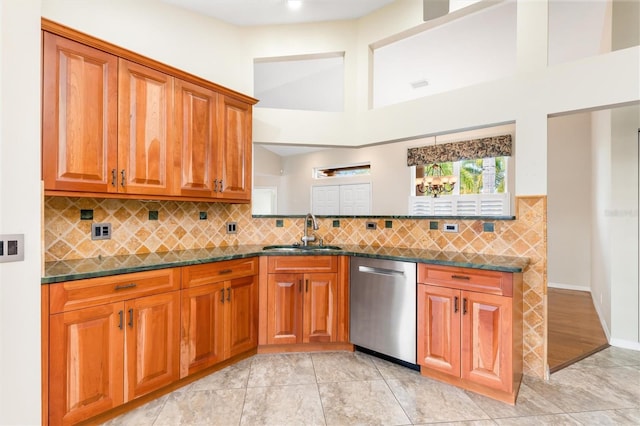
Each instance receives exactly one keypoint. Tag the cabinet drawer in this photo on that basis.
(78, 294)
(303, 264)
(480, 280)
(207, 273)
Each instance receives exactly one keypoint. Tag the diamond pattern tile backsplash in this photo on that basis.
(179, 227)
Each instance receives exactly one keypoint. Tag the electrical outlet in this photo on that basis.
(100, 231)
(11, 248)
(371, 225)
(450, 227)
(232, 227)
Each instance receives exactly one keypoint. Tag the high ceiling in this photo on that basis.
(274, 12)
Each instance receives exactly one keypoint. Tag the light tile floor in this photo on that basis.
(343, 388)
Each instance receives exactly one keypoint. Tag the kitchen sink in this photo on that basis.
(296, 247)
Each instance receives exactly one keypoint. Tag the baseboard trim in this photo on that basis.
(568, 287)
(625, 344)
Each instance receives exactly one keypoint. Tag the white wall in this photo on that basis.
(569, 201)
(623, 222)
(20, 211)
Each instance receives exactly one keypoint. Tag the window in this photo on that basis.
(480, 189)
(342, 171)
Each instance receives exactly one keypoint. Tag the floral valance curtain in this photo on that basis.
(496, 146)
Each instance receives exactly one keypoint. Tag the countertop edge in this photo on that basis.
(518, 263)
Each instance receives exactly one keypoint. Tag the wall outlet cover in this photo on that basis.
(11, 248)
(100, 231)
(371, 225)
(232, 227)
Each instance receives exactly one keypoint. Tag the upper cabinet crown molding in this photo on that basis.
(80, 37)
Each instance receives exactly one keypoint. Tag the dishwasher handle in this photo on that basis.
(380, 271)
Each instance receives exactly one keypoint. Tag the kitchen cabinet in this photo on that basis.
(214, 144)
(119, 125)
(107, 123)
(111, 340)
(219, 312)
(302, 303)
(79, 116)
(470, 329)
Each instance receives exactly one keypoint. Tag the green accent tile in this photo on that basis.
(279, 223)
(203, 215)
(488, 227)
(336, 223)
(86, 214)
(153, 214)
(433, 225)
(388, 224)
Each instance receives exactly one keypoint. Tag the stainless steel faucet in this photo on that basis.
(306, 238)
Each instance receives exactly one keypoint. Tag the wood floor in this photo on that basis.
(574, 328)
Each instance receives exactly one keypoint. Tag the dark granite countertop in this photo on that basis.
(70, 270)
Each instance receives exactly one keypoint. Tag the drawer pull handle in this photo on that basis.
(228, 294)
(225, 271)
(125, 286)
(455, 304)
(306, 286)
(464, 306)
(120, 313)
(222, 296)
(131, 317)
(124, 178)
(461, 277)
(114, 177)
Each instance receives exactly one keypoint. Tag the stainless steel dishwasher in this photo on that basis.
(383, 307)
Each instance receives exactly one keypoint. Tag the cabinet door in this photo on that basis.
(320, 308)
(284, 308)
(145, 121)
(439, 328)
(86, 363)
(242, 326)
(197, 135)
(233, 169)
(79, 116)
(487, 340)
(152, 343)
(202, 327)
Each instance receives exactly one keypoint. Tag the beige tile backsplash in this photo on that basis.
(179, 227)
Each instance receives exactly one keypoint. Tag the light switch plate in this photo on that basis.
(11, 248)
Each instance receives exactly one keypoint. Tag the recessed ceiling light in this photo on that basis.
(294, 4)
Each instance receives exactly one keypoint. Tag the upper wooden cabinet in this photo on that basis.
(116, 124)
(79, 116)
(145, 130)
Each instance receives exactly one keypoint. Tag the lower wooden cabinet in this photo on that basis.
(470, 329)
(302, 308)
(304, 302)
(219, 313)
(121, 343)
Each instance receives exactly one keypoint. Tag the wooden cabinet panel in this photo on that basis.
(219, 317)
(320, 308)
(79, 122)
(197, 135)
(439, 328)
(480, 280)
(145, 130)
(303, 264)
(486, 340)
(284, 323)
(234, 149)
(243, 315)
(86, 363)
(90, 292)
(207, 273)
(202, 327)
(152, 343)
